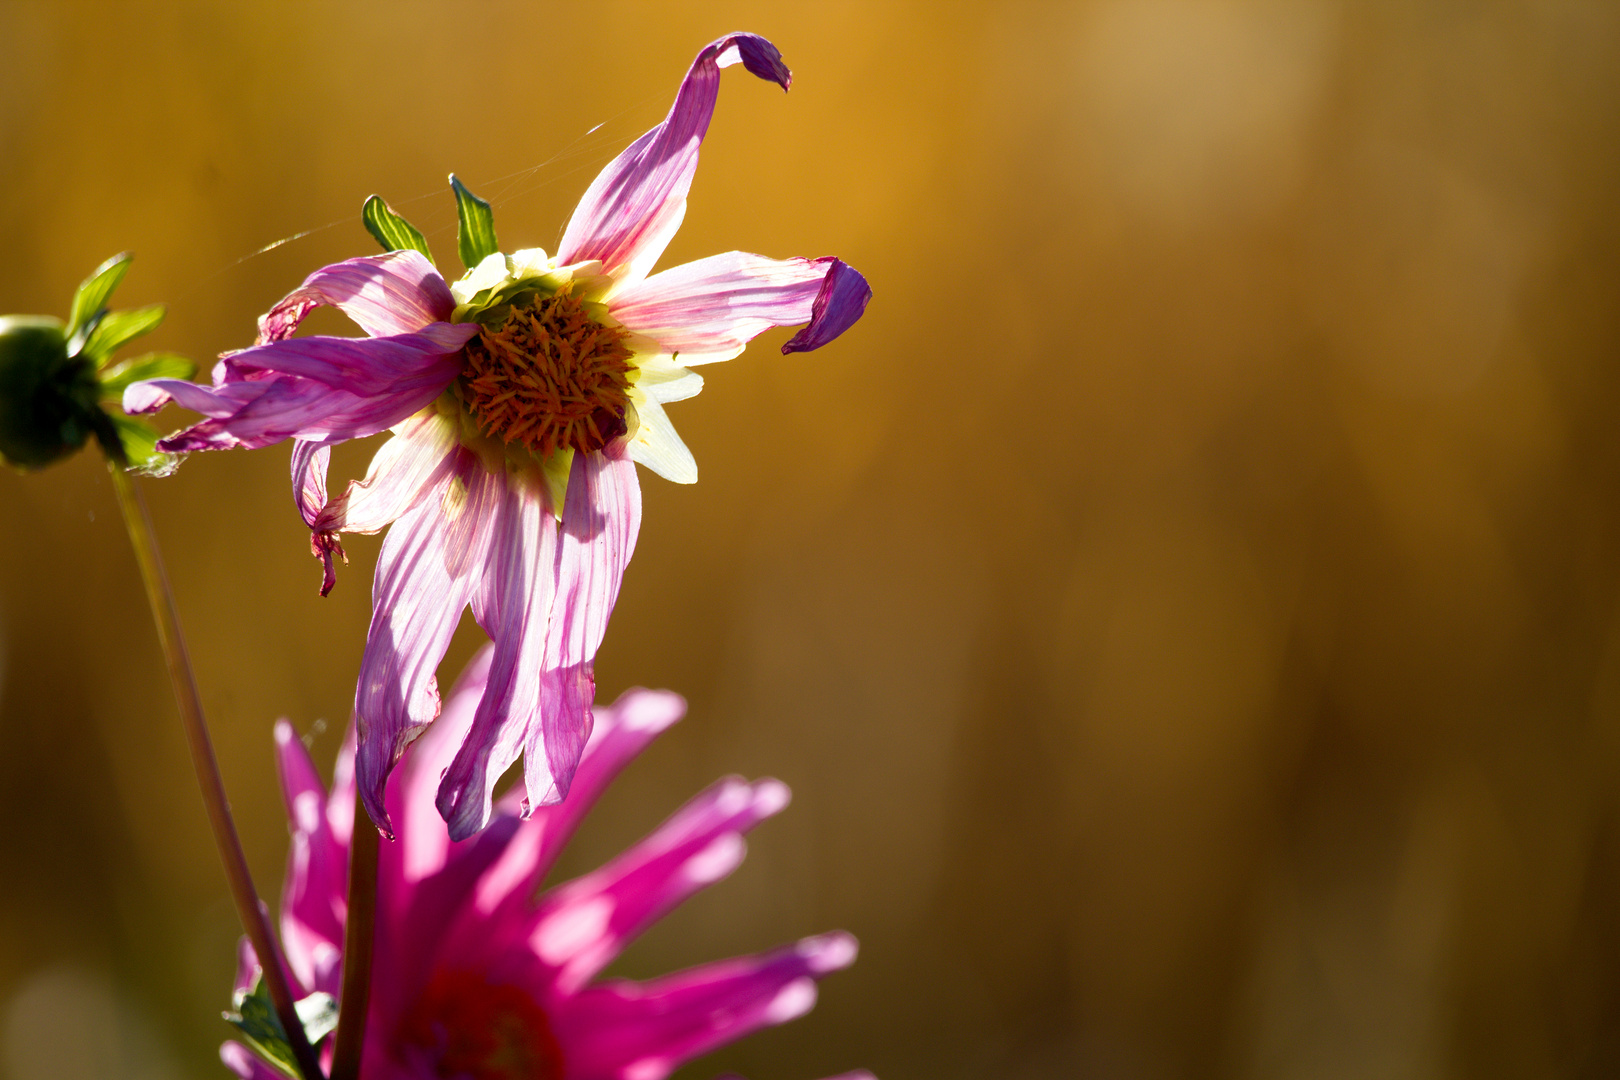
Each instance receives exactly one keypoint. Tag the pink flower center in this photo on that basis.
(467, 1028)
(549, 378)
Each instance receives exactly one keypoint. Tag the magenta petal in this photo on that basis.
(311, 903)
(581, 926)
(598, 535)
(634, 206)
(426, 573)
(646, 1030)
(709, 309)
(395, 293)
(843, 299)
(513, 603)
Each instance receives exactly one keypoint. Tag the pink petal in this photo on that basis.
(367, 367)
(634, 206)
(276, 405)
(310, 461)
(622, 1028)
(710, 309)
(513, 603)
(395, 293)
(426, 573)
(581, 926)
(424, 843)
(600, 521)
(420, 456)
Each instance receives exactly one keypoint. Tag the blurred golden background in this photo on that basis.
(1185, 607)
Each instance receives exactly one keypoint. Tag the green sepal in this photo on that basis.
(94, 292)
(390, 230)
(116, 329)
(255, 1017)
(137, 441)
(475, 232)
(116, 379)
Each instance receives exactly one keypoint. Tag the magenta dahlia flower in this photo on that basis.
(519, 396)
(474, 976)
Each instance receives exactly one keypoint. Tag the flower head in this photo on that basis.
(476, 976)
(519, 397)
(57, 379)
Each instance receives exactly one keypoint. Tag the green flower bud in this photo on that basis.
(48, 399)
(59, 386)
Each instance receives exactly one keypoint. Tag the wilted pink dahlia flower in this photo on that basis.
(475, 977)
(519, 396)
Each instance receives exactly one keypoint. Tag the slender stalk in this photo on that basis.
(255, 920)
(358, 935)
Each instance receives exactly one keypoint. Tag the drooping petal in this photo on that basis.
(581, 926)
(367, 367)
(646, 1030)
(426, 573)
(418, 458)
(394, 293)
(310, 460)
(843, 299)
(710, 309)
(596, 539)
(260, 411)
(633, 208)
(424, 843)
(513, 603)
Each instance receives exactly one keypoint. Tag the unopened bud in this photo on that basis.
(48, 402)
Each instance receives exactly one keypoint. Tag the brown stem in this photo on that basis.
(254, 918)
(358, 934)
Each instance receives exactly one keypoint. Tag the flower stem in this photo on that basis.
(358, 935)
(255, 919)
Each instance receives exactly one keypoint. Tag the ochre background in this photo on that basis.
(1185, 607)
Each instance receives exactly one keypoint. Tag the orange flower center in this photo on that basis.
(469, 1029)
(549, 378)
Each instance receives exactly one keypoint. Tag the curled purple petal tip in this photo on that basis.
(841, 302)
(758, 56)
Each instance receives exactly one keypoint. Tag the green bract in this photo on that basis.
(58, 386)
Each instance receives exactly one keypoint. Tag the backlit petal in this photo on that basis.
(596, 538)
(398, 292)
(710, 309)
(646, 1030)
(426, 573)
(634, 206)
(512, 602)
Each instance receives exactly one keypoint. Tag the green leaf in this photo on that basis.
(116, 379)
(390, 230)
(96, 290)
(118, 328)
(475, 237)
(256, 1019)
